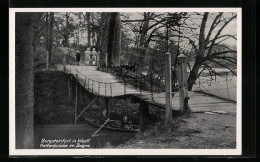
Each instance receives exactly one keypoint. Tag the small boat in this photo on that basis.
(115, 126)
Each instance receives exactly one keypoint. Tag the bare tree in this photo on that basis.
(150, 28)
(207, 43)
(64, 27)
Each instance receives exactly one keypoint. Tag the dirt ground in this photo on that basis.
(199, 131)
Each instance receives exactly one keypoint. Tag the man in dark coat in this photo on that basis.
(78, 57)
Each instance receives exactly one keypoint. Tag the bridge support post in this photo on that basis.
(76, 103)
(107, 106)
(79, 95)
(168, 89)
(143, 115)
(106, 63)
(64, 62)
(184, 107)
(69, 89)
(47, 60)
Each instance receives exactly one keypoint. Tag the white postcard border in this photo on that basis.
(85, 152)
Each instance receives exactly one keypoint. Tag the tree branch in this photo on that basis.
(229, 59)
(212, 56)
(224, 66)
(213, 25)
(218, 33)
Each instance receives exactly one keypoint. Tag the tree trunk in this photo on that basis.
(66, 34)
(47, 28)
(47, 40)
(105, 18)
(111, 39)
(142, 50)
(194, 74)
(103, 36)
(24, 92)
(117, 43)
(88, 24)
(98, 41)
(144, 115)
(34, 42)
(50, 35)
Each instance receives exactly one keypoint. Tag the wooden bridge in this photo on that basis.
(107, 85)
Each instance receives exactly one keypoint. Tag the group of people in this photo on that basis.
(92, 60)
(128, 67)
(125, 124)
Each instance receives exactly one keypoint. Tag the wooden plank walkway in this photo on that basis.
(101, 83)
(106, 85)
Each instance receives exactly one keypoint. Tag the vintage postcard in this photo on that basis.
(125, 81)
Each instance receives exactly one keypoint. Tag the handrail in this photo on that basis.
(98, 86)
(94, 79)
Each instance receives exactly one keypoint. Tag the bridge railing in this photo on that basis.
(92, 85)
(100, 88)
(105, 88)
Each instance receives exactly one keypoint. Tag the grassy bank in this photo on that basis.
(198, 131)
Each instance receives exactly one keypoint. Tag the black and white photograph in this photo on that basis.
(125, 81)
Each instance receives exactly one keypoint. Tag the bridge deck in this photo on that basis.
(106, 85)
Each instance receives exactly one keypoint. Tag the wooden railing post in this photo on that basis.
(64, 62)
(106, 63)
(182, 68)
(124, 87)
(47, 60)
(168, 89)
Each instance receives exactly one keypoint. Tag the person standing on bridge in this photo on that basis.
(78, 57)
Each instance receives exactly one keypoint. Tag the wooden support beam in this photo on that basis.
(144, 114)
(47, 60)
(69, 89)
(141, 116)
(79, 95)
(77, 117)
(168, 93)
(107, 106)
(64, 62)
(183, 83)
(76, 103)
